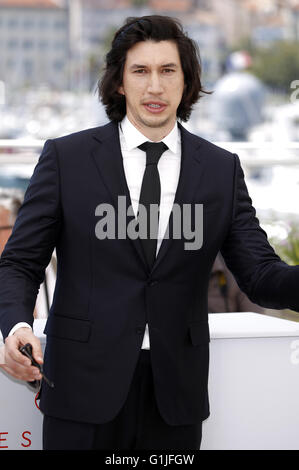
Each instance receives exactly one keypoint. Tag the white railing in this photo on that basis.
(19, 151)
(263, 154)
(252, 154)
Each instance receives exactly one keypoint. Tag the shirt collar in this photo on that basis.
(133, 137)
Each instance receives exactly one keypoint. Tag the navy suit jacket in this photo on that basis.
(104, 293)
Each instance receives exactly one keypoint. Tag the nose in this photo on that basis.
(154, 84)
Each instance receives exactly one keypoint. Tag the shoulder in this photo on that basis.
(207, 148)
(84, 135)
(72, 148)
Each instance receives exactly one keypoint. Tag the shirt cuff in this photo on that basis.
(17, 326)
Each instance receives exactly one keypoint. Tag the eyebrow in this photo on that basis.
(140, 66)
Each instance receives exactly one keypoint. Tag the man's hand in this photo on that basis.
(18, 365)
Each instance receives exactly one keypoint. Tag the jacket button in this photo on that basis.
(152, 283)
(139, 330)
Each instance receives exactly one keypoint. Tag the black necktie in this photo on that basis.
(150, 194)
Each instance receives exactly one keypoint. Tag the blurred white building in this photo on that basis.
(34, 44)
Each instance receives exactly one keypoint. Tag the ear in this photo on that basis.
(121, 90)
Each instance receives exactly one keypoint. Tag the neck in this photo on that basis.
(156, 134)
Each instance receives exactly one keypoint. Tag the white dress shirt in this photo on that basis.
(169, 165)
(134, 162)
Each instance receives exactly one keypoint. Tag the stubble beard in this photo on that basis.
(154, 123)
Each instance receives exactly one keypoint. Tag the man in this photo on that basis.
(128, 335)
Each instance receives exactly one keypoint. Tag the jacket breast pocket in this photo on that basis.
(68, 328)
(199, 333)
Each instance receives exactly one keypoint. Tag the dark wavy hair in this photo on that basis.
(155, 28)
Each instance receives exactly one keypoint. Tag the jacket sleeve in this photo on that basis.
(258, 270)
(28, 250)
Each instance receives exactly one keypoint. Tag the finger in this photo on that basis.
(12, 353)
(23, 372)
(20, 338)
(28, 374)
(37, 350)
(7, 369)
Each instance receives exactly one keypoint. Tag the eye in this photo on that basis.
(140, 71)
(168, 70)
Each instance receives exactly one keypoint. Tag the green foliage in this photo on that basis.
(278, 65)
(288, 249)
(139, 3)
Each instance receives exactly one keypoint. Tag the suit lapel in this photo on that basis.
(189, 181)
(108, 159)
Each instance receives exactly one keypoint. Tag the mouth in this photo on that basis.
(155, 106)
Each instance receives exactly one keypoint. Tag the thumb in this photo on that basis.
(25, 335)
(37, 352)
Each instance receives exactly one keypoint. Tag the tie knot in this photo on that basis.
(153, 151)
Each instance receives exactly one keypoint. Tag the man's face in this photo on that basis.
(153, 84)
